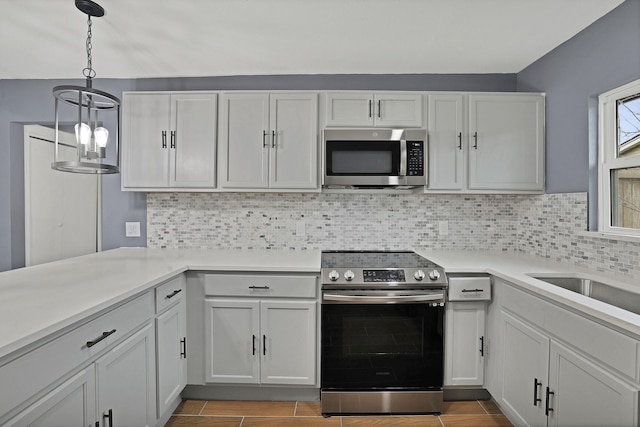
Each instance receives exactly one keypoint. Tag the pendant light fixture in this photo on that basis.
(84, 103)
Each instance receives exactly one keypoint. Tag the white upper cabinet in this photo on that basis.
(362, 109)
(169, 140)
(446, 131)
(269, 141)
(506, 142)
(498, 146)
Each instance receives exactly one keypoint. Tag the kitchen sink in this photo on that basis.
(600, 291)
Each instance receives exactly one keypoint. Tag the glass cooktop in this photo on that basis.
(374, 259)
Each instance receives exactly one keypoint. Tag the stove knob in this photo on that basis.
(419, 275)
(334, 275)
(348, 275)
(434, 275)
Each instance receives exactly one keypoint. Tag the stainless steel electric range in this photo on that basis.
(382, 333)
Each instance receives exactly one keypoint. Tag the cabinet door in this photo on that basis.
(232, 341)
(464, 343)
(506, 142)
(145, 140)
(586, 395)
(192, 141)
(294, 145)
(401, 110)
(525, 361)
(349, 109)
(171, 355)
(70, 404)
(288, 342)
(126, 381)
(244, 149)
(446, 147)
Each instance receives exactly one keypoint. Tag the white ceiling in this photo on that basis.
(171, 38)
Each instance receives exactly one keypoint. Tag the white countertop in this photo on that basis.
(40, 300)
(517, 268)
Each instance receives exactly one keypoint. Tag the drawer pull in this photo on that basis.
(259, 287)
(100, 338)
(176, 292)
(472, 290)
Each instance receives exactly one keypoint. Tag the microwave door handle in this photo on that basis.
(403, 157)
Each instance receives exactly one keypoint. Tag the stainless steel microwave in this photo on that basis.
(375, 158)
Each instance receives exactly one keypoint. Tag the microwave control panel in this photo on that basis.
(415, 158)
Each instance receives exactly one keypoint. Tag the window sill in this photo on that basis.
(609, 236)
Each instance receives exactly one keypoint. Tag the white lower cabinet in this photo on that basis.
(70, 404)
(171, 343)
(548, 375)
(260, 342)
(126, 382)
(464, 344)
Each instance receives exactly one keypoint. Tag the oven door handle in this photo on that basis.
(382, 299)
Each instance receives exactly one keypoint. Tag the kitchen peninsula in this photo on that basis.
(46, 304)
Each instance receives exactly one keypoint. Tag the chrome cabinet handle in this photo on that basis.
(547, 408)
(536, 399)
(173, 139)
(459, 140)
(164, 139)
(173, 294)
(475, 140)
(100, 338)
(264, 139)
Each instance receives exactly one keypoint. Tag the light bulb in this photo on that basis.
(101, 135)
(83, 133)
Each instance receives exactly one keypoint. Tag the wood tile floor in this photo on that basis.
(212, 413)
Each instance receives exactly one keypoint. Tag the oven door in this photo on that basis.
(392, 341)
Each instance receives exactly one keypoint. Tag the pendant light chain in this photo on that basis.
(89, 72)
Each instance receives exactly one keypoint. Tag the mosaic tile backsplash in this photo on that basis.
(545, 225)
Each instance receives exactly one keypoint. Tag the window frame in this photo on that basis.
(607, 156)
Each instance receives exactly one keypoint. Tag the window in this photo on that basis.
(619, 160)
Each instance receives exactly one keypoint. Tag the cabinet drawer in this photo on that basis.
(25, 376)
(170, 293)
(469, 288)
(588, 336)
(259, 285)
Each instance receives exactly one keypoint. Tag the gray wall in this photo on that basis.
(31, 101)
(603, 56)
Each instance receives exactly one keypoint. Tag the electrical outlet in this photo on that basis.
(132, 229)
(443, 228)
